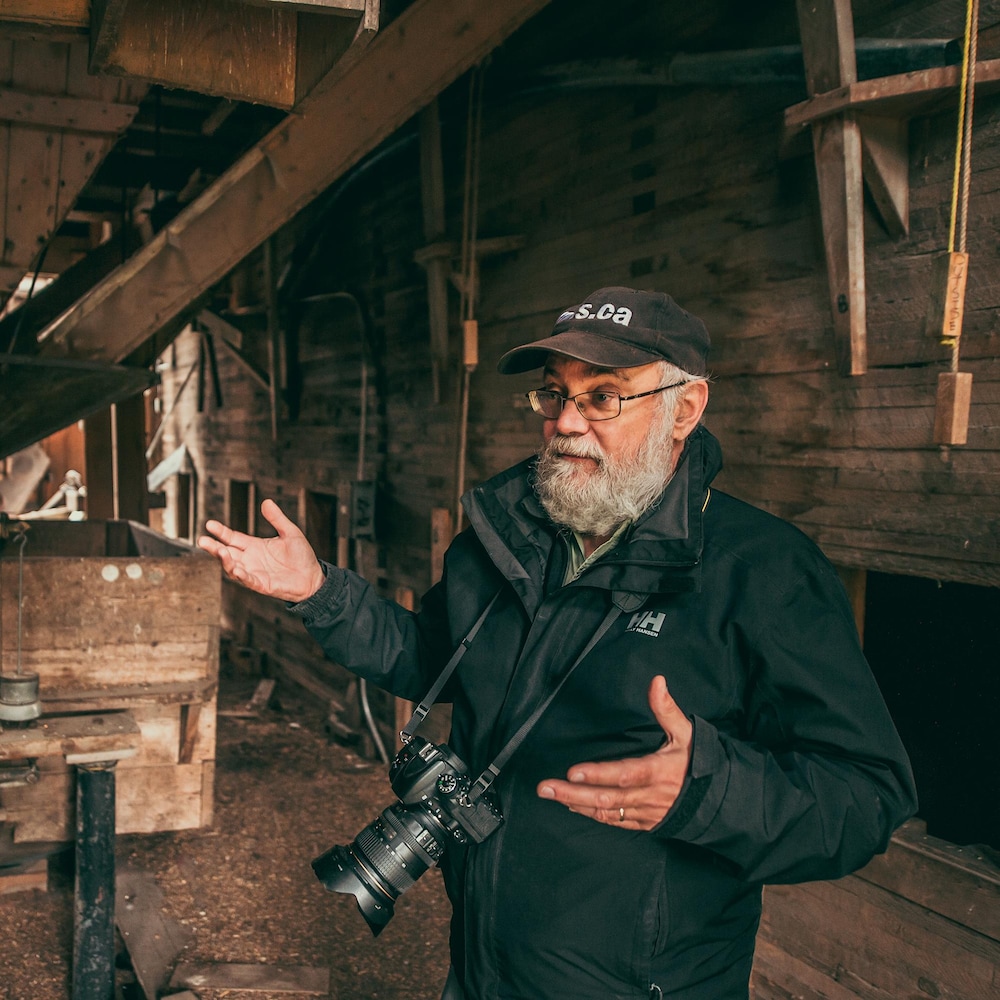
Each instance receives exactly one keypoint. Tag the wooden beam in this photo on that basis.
(826, 28)
(432, 201)
(57, 14)
(318, 6)
(347, 115)
(67, 114)
(902, 95)
(253, 978)
(223, 48)
(827, 31)
(837, 148)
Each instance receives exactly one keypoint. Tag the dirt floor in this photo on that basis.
(244, 890)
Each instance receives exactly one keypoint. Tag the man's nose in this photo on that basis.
(571, 420)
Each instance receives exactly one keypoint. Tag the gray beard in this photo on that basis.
(618, 490)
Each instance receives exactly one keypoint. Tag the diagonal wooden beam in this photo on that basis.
(346, 116)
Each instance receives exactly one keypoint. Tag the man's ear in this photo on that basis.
(690, 408)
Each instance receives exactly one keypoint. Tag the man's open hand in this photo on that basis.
(284, 567)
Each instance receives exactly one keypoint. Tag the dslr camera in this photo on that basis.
(395, 849)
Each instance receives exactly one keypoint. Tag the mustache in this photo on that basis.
(561, 444)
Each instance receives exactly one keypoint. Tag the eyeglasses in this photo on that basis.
(598, 405)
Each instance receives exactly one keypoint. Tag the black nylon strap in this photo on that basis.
(420, 713)
(493, 770)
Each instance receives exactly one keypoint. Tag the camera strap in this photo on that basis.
(420, 712)
(493, 770)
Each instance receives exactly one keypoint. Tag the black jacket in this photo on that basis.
(796, 773)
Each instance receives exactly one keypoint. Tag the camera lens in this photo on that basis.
(383, 861)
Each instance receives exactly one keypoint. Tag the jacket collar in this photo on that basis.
(661, 553)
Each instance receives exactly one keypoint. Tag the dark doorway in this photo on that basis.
(935, 649)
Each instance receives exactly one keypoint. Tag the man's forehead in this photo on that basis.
(559, 364)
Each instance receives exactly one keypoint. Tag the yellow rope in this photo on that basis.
(959, 144)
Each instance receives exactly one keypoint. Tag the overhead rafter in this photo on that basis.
(267, 53)
(357, 106)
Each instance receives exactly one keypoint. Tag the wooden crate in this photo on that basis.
(116, 616)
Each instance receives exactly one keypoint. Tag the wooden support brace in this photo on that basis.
(885, 162)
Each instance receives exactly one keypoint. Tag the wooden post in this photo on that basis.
(403, 707)
(99, 476)
(827, 31)
(130, 459)
(855, 582)
(441, 535)
(437, 264)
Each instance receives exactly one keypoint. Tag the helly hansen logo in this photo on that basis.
(647, 622)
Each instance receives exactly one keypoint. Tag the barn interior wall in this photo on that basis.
(682, 189)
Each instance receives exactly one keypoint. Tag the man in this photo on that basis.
(717, 726)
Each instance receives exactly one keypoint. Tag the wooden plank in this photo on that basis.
(152, 938)
(124, 697)
(957, 882)
(24, 878)
(779, 976)
(253, 978)
(32, 160)
(66, 114)
(429, 45)
(59, 14)
(903, 95)
(327, 6)
(73, 735)
(167, 797)
(227, 49)
(877, 944)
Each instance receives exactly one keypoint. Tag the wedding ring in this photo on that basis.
(621, 814)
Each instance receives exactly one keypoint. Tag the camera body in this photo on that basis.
(395, 849)
(433, 777)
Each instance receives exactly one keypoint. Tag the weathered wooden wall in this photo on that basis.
(678, 189)
(682, 189)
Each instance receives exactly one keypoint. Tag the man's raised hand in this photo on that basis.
(637, 792)
(285, 567)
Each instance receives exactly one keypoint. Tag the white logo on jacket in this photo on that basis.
(647, 622)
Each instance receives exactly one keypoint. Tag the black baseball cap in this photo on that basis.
(620, 328)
